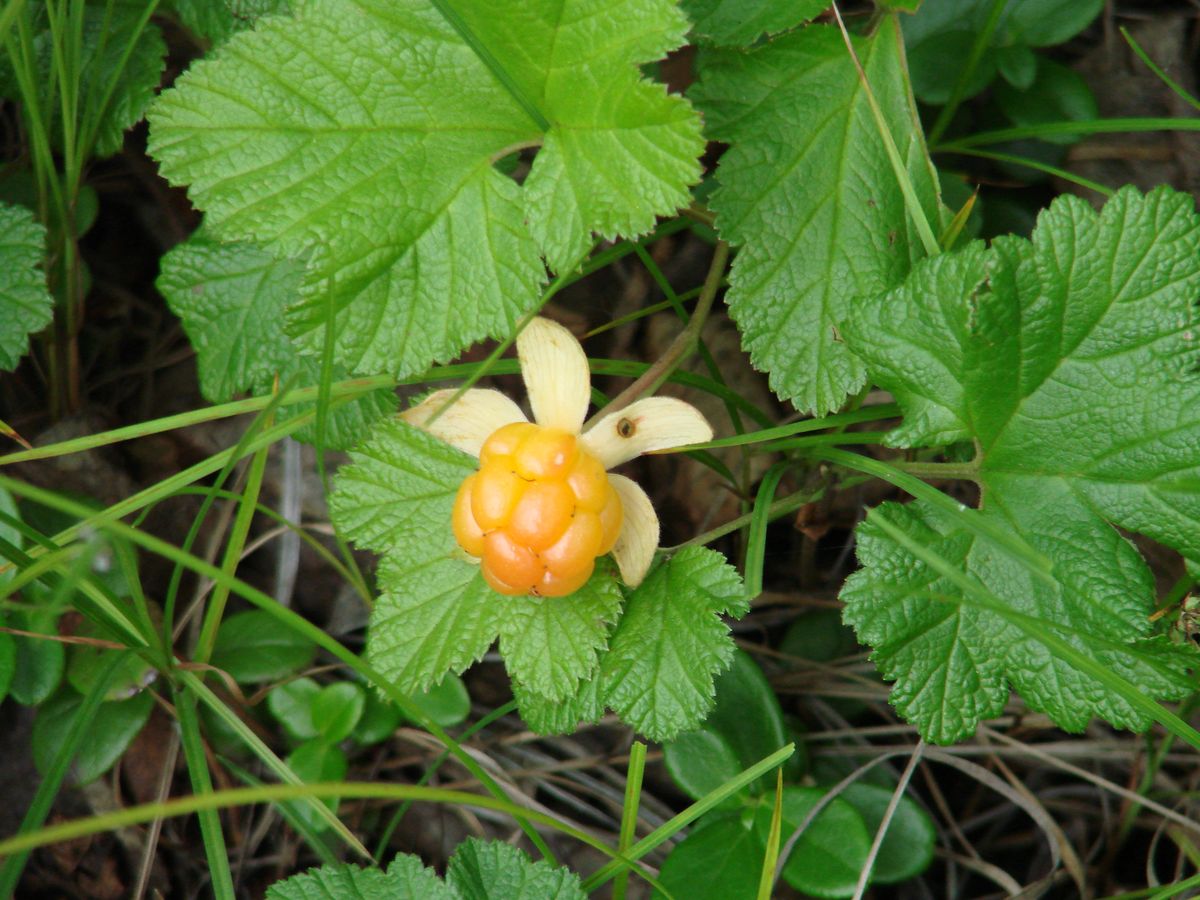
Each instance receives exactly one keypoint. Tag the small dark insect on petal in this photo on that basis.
(626, 428)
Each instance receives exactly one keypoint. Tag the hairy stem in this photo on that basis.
(683, 345)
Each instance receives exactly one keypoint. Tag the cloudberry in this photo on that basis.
(538, 513)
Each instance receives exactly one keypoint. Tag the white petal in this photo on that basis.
(656, 423)
(469, 421)
(555, 370)
(635, 546)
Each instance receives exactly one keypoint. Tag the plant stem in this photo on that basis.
(781, 507)
(931, 471)
(683, 345)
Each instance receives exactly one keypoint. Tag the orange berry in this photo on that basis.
(510, 563)
(546, 453)
(611, 517)
(499, 586)
(504, 441)
(589, 481)
(494, 496)
(555, 586)
(466, 530)
(577, 549)
(542, 514)
(538, 513)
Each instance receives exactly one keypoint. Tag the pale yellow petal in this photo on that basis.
(469, 421)
(656, 423)
(635, 546)
(555, 370)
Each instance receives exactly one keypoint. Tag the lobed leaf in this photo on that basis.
(26, 306)
(670, 643)
(809, 195)
(361, 135)
(231, 300)
(551, 644)
(1013, 348)
(733, 23)
(493, 870)
(405, 879)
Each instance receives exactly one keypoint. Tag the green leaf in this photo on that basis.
(940, 36)
(434, 613)
(478, 870)
(26, 306)
(88, 663)
(447, 702)
(291, 704)
(747, 714)
(316, 762)
(550, 644)
(380, 171)
(107, 35)
(719, 859)
(336, 709)
(379, 719)
(493, 870)
(116, 724)
(406, 879)
(430, 619)
(734, 23)
(231, 300)
(39, 663)
(397, 496)
(828, 857)
(671, 642)
(252, 647)
(746, 725)
(1010, 347)
(1018, 65)
(809, 195)
(1057, 94)
(544, 716)
(699, 762)
(907, 848)
(8, 662)
(217, 20)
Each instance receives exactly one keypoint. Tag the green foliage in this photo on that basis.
(830, 854)
(291, 704)
(380, 172)
(737, 23)
(336, 709)
(721, 858)
(39, 664)
(478, 870)
(218, 20)
(116, 724)
(907, 849)
(435, 614)
(1011, 347)
(551, 644)
(231, 299)
(114, 56)
(253, 648)
(671, 642)
(26, 307)
(315, 762)
(88, 663)
(1055, 94)
(745, 725)
(808, 193)
(941, 34)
